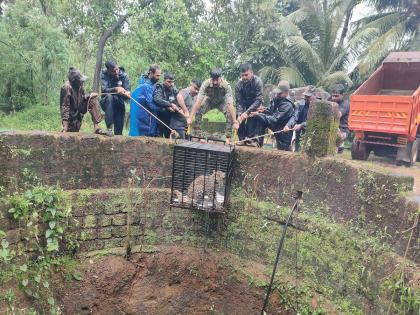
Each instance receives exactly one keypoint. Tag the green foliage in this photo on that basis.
(406, 299)
(43, 216)
(34, 54)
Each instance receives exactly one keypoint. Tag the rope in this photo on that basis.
(267, 134)
(173, 131)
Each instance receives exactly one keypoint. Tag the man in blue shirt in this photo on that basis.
(141, 122)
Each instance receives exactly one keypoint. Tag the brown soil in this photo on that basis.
(172, 280)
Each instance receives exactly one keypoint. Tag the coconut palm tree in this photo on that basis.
(314, 45)
(398, 28)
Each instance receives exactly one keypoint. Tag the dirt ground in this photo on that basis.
(388, 164)
(173, 280)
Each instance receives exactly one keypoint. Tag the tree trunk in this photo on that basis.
(44, 7)
(99, 53)
(102, 41)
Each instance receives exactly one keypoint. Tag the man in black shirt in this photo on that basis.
(164, 97)
(278, 114)
(114, 80)
(249, 97)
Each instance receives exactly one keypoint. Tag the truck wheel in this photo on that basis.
(359, 150)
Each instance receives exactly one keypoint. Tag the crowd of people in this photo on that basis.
(159, 109)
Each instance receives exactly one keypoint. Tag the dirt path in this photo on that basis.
(173, 280)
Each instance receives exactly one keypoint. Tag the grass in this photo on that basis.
(47, 118)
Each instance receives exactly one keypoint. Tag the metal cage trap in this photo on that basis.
(201, 176)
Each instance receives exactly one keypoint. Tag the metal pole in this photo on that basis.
(298, 196)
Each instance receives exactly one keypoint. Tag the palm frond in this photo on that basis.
(383, 22)
(301, 52)
(336, 77)
(269, 75)
(292, 75)
(381, 47)
(352, 50)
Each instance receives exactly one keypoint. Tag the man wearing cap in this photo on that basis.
(164, 97)
(278, 114)
(116, 87)
(216, 93)
(337, 96)
(74, 103)
(249, 97)
(298, 120)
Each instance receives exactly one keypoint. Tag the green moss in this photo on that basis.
(321, 132)
(89, 221)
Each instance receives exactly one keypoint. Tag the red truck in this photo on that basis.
(385, 110)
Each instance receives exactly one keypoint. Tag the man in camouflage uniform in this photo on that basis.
(74, 103)
(216, 93)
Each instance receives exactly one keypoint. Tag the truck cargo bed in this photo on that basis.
(396, 92)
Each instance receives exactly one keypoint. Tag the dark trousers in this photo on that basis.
(114, 109)
(165, 116)
(181, 132)
(283, 140)
(250, 128)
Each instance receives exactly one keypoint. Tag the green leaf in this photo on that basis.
(52, 224)
(4, 243)
(23, 268)
(77, 275)
(46, 284)
(51, 300)
(60, 229)
(37, 278)
(53, 211)
(48, 233)
(24, 282)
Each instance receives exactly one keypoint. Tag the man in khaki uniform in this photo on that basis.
(216, 93)
(74, 103)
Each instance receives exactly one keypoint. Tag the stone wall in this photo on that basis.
(77, 161)
(340, 189)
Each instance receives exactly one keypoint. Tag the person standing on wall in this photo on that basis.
(249, 97)
(115, 82)
(216, 93)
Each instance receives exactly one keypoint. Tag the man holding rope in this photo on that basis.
(164, 97)
(143, 109)
(278, 114)
(74, 103)
(249, 97)
(116, 90)
(216, 93)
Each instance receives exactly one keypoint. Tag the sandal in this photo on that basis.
(100, 132)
